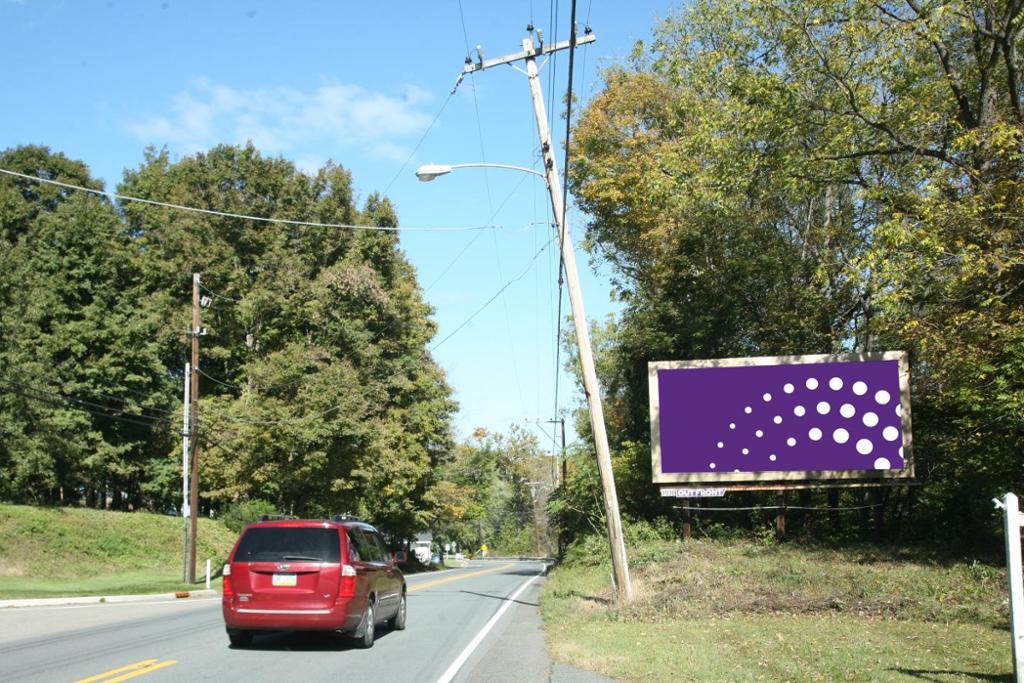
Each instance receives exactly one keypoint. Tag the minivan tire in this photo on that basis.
(365, 641)
(397, 622)
(240, 638)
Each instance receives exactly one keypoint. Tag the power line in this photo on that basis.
(498, 293)
(227, 214)
(451, 263)
(218, 381)
(490, 208)
(565, 197)
(417, 147)
(216, 295)
(56, 391)
(288, 420)
(99, 410)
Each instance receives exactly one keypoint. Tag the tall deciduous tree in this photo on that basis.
(784, 176)
(81, 410)
(319, 393)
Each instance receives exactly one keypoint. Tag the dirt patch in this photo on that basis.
(10, 569)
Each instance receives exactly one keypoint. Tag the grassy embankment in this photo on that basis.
(46, 552)
(743, 611)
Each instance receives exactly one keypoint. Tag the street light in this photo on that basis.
(428, 172)
(620, 564)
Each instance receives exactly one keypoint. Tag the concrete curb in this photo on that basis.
(107, 599)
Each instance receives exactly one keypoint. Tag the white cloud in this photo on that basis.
(287, 121)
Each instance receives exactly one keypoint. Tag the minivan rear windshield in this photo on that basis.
(278, 544)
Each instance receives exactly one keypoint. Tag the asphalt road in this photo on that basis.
(185, 640)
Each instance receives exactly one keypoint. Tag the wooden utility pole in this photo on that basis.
(536, 519)
(531, 51)
(194, 332)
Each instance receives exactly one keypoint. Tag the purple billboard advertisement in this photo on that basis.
(781, 418)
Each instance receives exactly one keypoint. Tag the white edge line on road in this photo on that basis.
(453, 669)
(138, 603)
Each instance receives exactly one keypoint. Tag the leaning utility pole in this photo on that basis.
(190, 574)
(530, 52)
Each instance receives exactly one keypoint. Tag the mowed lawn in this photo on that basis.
(48, 552)
(742, 611)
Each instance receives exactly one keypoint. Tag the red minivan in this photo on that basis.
(312, 575)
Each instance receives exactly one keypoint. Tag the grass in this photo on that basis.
(48, 552)
(743, 611)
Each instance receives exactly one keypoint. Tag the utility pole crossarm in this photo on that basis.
(473, 67)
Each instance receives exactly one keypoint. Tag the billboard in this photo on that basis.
(781, 418)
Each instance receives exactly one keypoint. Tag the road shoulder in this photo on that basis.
(515, 651)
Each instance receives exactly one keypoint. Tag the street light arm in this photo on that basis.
(428, 172)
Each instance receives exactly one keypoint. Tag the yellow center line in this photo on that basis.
(128, 671)
(99, 677)
(147, 670)
(458, 577)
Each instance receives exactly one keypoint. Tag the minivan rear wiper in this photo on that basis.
(302, 558)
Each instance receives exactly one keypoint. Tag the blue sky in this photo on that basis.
(359, 83)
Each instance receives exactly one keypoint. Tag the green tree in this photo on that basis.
(319, 393)
(783, 176)
(494, 489)
(82, 411)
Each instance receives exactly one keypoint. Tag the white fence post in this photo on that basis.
(1011, 507)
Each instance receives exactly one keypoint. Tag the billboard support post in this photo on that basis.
(780, 516)
(1012, 524)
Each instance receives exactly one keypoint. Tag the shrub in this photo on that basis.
(238, 515)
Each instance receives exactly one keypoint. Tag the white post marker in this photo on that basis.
(460, 661)
(208, 575)
(1011, 507)
(184, 470)
(185, 417)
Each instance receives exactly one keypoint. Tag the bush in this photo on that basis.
(239, 515)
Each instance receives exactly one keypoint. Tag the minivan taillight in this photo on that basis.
(227, 590)
(347, 585)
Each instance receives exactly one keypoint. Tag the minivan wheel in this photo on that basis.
(366, 640)
(240, 638)
(397, 622)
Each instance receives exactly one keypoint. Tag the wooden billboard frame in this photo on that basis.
(779, 480)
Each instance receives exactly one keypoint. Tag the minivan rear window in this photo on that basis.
(277, 544)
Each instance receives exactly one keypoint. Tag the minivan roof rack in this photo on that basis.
(274, 518)
(345, 518)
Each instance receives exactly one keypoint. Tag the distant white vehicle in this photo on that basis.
(422, 545)
(422, 551)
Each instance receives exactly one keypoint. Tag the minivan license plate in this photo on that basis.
(284, 580)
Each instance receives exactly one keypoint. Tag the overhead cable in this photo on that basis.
(87, 406)
(216, 380)
(417, 147)
(57, 391)
(496, 295)
(228, 214)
